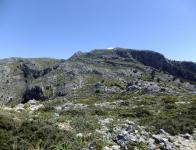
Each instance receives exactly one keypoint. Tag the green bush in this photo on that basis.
(97, 91)
(177, 121)
(28, 134)
(141, 112)
(99, 112)
(169, 99)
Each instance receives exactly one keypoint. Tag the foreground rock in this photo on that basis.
(164, 141)
(71, 106)
(129, 134)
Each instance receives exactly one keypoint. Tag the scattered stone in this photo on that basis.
(180, 103)
(107, 105)
(152, 87)
(130, 122)
(65, 126)
(80, 135)
(19, 107)
(58, 108)
(186, 136)
(127, 134)
(114, 147)
(99, 85)
(56, 115)
(33, 108)
(105, 121)
(133, 88)
(151, 145)
(106, 148)
(113, 89)
(103, 130)
(69, 105)
(32, 102)
(129, 129)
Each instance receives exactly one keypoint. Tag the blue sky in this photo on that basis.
(58, 28)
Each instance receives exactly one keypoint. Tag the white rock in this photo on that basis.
(115, 147)
(56, 115)
(32, 102)
(116, 129)
(105, 121)
(65, 126)
(58, 108)
(36, 107)
(68, 106)
(106, 148)
(80, 106)
(19, 107)
(80, 135)
(130, 122)
(124, 132)
(103, 130)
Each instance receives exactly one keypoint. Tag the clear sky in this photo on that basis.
(58, 28)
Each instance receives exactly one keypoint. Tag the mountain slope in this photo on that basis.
(42, 79)
(101, 100)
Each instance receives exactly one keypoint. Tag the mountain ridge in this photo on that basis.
(20, 75)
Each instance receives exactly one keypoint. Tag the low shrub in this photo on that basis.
(28, 134)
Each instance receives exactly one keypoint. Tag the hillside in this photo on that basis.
(54, 78)
(103, 99)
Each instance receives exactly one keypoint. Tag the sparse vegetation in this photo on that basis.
(82, 101)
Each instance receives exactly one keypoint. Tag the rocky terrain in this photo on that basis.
(104, 99)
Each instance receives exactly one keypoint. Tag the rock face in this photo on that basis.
(150, 58)
(17, 76)
(184, 70)
(43, 79)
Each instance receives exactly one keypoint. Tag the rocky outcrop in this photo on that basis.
(186, 70)
(34, 73)
(129, 134)
(150, 58)
(25, 79)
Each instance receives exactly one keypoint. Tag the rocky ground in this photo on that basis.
(94, 126)
(116, 99)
